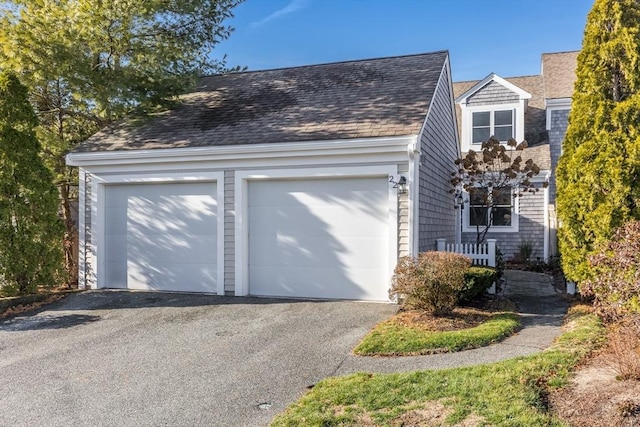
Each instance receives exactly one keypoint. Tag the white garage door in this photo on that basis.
(325, 238)
(161, 237)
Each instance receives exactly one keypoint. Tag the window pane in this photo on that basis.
(502, 196)
(481, 135)
(502, 217)
(481, 119)
(503, 117)
(477, 196)
(478, 216)
(503, 133)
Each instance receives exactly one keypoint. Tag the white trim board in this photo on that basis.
(241, 152)
(523, 94)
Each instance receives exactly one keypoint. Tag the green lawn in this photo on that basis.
(391, 338)
(509, 393)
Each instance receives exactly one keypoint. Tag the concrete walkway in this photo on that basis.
(542, 309)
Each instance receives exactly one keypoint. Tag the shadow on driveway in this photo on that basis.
(119, 299)
(33, 322)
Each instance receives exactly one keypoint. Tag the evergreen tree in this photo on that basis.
(597, 176)
(30, 231)
(88, 63)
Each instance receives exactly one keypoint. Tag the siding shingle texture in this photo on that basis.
(357, 99)
(437, 218)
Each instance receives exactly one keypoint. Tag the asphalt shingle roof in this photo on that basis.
(355, 99)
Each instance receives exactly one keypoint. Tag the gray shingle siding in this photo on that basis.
(439, 148)
(492, 93)
(229, 232)
(557, 130)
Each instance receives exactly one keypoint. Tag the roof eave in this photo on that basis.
(229, 152)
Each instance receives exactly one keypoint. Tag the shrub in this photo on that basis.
(476, 281)
(431, 282)
(615, 287)
(525, 251)
(624, 342)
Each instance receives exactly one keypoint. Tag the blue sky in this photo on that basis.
(502, 36)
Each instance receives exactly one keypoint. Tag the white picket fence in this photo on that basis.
(482, 254)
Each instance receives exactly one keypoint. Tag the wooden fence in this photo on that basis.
(482, 254)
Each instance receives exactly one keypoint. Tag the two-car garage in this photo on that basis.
(301, 238)
(292, 174)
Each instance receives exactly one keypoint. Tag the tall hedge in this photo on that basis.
(597, 175)
(30, 231)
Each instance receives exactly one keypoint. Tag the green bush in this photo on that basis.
(615, 287)
(476, 281)
(431, 282)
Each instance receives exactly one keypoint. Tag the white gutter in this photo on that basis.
(244, 151)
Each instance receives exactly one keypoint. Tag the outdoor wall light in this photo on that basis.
(401, 184)
(459, 200)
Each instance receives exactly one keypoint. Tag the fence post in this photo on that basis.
(491, 248)
(440, 244)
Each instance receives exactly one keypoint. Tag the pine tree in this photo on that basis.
(30, 231)
(597, 176)
(88, 63)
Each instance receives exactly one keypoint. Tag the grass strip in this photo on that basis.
(508, 393)
(390, 338)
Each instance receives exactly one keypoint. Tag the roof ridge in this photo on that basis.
(331, 63)
(506, 78)
(560, 53)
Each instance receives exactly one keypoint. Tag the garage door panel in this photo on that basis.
(116, 249)
(319, 283)
(323, 238)
(161, 236)
(191, 277)
(312, 192)
(117, 274)
(184, 214)
(173, 248)
(294, 251)
(312, 221)
(116, 219)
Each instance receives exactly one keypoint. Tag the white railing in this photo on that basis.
(480, 254)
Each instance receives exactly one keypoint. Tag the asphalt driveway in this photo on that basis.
(136, 358)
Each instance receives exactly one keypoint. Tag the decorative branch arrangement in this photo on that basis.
(492, 177)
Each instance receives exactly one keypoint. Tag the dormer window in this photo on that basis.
(492, 107)
(497, 123)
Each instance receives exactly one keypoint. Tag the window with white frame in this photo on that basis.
(498, 123)
(495, 209)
